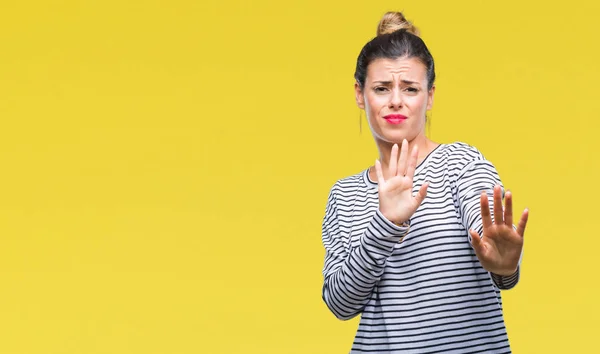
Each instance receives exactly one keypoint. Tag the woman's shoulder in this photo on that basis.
(461, 150)
(458, 155)
(351, 183)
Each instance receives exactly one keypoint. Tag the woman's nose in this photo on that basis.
(396, 99)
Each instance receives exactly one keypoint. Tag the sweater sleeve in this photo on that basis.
(350, 274)
(478, 176)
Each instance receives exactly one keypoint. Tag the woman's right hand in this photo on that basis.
(396, 201)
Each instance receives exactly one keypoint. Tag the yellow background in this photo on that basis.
(165, 165)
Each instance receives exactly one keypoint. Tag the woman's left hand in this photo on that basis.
(499, 250)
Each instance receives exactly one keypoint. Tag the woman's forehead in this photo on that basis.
(396, 69)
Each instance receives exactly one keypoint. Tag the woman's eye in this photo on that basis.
(380, 89)
(412, 89)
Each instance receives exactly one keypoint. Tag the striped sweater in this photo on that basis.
(424, 292)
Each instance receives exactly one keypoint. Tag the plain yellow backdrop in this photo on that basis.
(165, 165)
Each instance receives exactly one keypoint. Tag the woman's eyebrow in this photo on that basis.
(408, 82)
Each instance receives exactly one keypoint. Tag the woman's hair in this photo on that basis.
(396, 38)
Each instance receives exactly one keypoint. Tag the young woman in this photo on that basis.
(412, 243)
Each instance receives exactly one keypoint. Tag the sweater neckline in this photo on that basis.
(373, 184)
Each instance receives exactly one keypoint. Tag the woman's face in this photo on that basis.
(395, 98)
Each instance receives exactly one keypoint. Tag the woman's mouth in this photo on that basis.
(395, 118)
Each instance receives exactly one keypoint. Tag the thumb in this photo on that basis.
(422, 193)
(477, 243)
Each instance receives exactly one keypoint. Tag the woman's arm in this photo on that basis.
(499, 248)
(351, 275)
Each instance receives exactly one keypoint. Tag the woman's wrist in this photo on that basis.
(401, 224)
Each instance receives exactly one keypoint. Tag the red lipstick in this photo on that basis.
(395, 118)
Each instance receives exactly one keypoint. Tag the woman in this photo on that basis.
(412, 243)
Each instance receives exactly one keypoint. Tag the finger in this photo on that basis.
(477, 243)
(508, 217)
(523, 223)
(486, 217)
(422, 193)
(394, 161)
(403, 158)
(498, 212)
(412, 163)
(379, 173)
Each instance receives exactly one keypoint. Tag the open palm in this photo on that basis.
(499, 248)
(396, 201)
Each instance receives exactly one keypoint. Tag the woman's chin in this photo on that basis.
(394, 137)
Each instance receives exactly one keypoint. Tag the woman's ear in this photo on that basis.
(430, 98)
(360, 99)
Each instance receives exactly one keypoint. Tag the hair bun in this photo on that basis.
(395, 21)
